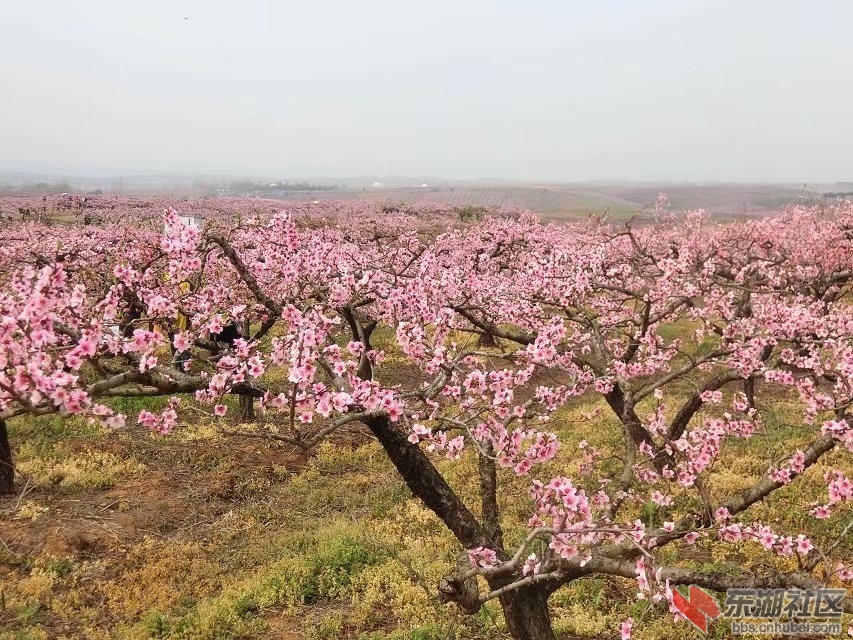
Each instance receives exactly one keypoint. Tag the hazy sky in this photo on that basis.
(559, 90)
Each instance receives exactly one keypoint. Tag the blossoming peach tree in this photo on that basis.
(687, 332)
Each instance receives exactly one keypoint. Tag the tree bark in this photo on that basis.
(489, 496)
(628, 417)
(425, 481)
(526, 613)
(7, 467)
(247, 403)
(247, 408)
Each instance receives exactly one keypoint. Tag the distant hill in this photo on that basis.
(618, 199)
(578, 200)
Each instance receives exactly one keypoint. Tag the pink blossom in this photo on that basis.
(531, 566)
(804, 545)
(626, 628)
(821, 512)
(482, 557)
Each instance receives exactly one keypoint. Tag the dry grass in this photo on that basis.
(127, 535)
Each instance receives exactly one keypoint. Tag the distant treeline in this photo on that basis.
(48, 188)
(249, 186)
(838, 194)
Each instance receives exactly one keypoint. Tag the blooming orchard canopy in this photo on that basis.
(687, 331)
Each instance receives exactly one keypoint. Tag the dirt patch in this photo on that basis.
(93, 522)
(183, 486)
(283, 628)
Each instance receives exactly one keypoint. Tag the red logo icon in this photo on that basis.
(698, 608)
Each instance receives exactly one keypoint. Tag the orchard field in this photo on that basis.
(235, 418)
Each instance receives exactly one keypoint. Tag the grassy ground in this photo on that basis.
(132, 535)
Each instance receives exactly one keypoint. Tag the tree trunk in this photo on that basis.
(425, 481)
(526, 613)
(7, 468)
(247, 403)
(247, 408)
(526, 609)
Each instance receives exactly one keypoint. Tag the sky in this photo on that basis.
(557, 90)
